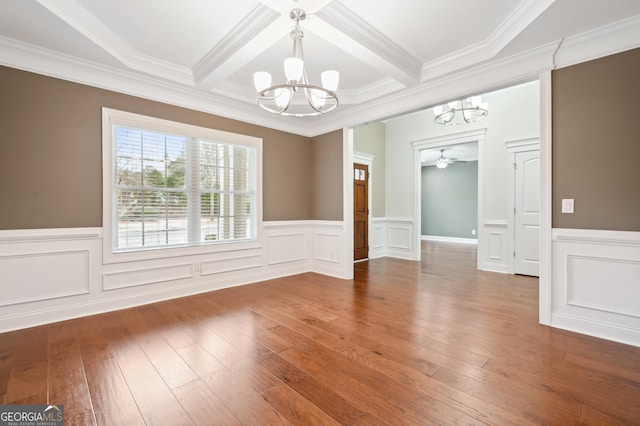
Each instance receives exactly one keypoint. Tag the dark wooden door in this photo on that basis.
(360, 211)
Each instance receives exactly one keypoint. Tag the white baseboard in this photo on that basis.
(449, 239)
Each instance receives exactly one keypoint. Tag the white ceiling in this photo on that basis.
(202, 53)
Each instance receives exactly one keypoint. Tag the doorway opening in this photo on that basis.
(449, 193)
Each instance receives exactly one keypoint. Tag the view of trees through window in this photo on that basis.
(176, 190)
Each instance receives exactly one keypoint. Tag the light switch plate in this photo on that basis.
(567, 205)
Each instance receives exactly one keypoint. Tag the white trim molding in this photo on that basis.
(545, 280)
(596, 285)
(607, 40)
(455, 240)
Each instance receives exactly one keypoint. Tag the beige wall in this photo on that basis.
(327, 176)
(50, 154)
(596, 143)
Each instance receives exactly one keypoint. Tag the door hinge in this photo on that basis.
(514, 253)
(515, 166)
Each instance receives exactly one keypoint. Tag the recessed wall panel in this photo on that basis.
(41, 276)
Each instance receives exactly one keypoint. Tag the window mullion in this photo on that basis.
(193, 190)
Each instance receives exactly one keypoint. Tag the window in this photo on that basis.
(172, 185)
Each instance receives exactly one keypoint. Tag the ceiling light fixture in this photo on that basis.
(442, 162)
(296, 97)
(469, 109)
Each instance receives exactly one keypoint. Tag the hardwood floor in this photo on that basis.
(431, 342)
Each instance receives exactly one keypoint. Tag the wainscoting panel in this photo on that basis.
(146, 275)
(329, 255)
(288, 247)
(229, 264)
(49, 275)
(325, 246)
(401, 238)
(596, 283)
(620, 295)
(493, 252)
(40, 276)
(377, 237)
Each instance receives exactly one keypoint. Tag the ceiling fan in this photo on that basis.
(443, 162)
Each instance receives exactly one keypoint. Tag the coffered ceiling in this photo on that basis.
(202, 54)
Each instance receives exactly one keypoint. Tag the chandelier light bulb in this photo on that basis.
(330, 80)
(261, 80)
(293, 69)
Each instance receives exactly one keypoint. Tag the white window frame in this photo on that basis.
(112, 118)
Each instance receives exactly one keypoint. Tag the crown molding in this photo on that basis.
(372, 91)
(86, 24)
(608, 40)
(35, 59)
(519, 19)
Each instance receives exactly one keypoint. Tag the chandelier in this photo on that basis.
(462, 111)
(296, 97)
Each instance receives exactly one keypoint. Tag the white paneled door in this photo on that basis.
(527, 213)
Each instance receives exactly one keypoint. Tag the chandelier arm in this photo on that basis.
(307, 95)
(269, 95)
(475, 114)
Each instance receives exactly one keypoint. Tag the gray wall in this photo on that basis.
(596, 143)
(51, 164)
(450, 200)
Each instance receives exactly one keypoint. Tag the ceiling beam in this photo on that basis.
(349, 32)
(257, 31)
(283, 7)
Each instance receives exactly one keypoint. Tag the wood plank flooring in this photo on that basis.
(431, 342)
